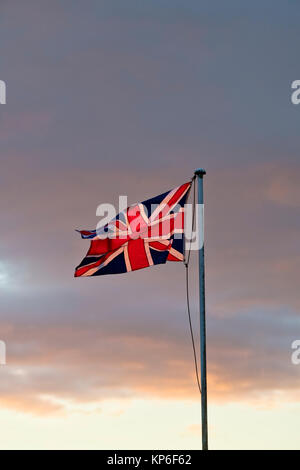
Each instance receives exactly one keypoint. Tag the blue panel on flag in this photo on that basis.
(159, 257)
(116, 266)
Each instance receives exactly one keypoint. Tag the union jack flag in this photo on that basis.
(145, 234)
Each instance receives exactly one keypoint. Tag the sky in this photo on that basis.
(129, 98)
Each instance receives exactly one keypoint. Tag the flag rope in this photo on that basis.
(186, 263)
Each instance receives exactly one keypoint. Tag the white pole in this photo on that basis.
(200, 173)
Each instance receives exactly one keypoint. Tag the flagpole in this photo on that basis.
(199, 173)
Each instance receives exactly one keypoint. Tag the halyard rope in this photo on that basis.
(186, 263)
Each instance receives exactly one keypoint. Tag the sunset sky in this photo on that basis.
(109, 98)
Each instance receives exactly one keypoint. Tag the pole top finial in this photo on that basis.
(200, 172)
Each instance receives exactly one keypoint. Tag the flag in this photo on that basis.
(145, 234)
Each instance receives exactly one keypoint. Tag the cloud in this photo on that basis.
(71, 352)
(283, 189)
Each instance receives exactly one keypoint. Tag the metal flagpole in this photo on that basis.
(200, 173)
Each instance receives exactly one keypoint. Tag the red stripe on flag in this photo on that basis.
(137, 254)
(100, 247)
